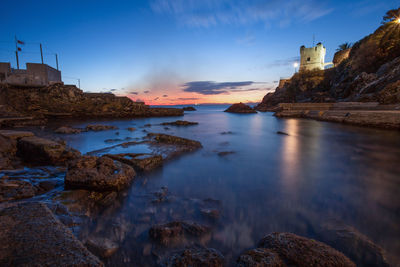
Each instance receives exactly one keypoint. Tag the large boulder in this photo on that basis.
(98, 174)
(240, 108)
(32, 236)
(195, 257)
(15, 189)
(8, 149)
(174, 140)
(38, 150)
(300, 251)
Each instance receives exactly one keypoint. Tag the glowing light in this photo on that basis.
(296, 64)
(398, 20)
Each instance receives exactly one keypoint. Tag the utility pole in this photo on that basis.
(41, 52)
(16, 51)
(313, 40)
(57, 61)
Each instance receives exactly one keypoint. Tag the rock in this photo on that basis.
(139, 161)
(131, 129)
(353, 244)
(98, 174)
(15, 135)
(228, 132)
(175, 140)
(225, 153)
(32, 236)
(47, 185)
(99, 127)
(301, 251)
(102, 246)
(240, 108)
(282, 133)
(260, 257)
(67, 130)
(180, 123)
(169, 232)
(189, 109)
(210, 213)
(44, 151)
(195, 257)
(161, 195)
(15, 189)
(108, 199)
(8, 150)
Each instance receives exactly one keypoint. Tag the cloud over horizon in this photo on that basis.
(216, 88)
(208, 13)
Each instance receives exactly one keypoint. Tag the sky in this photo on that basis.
(181, 51)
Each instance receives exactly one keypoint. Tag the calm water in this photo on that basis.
(296, 182)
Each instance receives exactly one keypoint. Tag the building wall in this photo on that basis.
(312, 58)
(43, 71)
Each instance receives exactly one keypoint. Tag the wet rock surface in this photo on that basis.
(240, 108)
(174, 140)
(38, 150)
(32, 236)
(173, 231)
(139, 161)
(225, 153)
(15, 189)
(301, 251)
(99, 174)
(100, 127)
(195, 257)
(353, 244)
(180, 123)
(67, 130)
(260, 257)
(102, 246)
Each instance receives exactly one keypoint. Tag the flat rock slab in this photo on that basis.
(195, 257)
(140, 162)
(44, 151)
(15, 134)
(32, 236)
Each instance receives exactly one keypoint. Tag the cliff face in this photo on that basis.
(371, 73)
(67, 100)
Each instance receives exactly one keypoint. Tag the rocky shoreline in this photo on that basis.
(51, 192)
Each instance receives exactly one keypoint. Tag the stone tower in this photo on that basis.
(312, 58)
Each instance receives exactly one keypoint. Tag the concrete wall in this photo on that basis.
(43, 71)
(312, 58)
(34, 75)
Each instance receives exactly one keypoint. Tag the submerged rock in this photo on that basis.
(353, 244)
(301, 251)
(38, 150)
(139, 161)
(102, 246)
(225, 153)
(169, 232)
(99, 174)
(260, 257)
(240, 108)
(131, 129)
(67, 130)
(210, 213)
(32, 236)
(99, 127)
(195, 257)
(282, 133)
(180, 123)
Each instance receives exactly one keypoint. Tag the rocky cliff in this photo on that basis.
(370, 73)
(67, 100)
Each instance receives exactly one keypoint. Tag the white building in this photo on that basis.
(312, 58)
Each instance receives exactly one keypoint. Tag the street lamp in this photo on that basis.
(398, 20)
(295, 65)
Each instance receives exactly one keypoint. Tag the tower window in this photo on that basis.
(308, 59)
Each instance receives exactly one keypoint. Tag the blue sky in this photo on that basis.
(155, 50)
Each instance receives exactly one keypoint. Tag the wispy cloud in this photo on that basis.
(146, 92)
(133, 93)
(283, 62)
(207, 13)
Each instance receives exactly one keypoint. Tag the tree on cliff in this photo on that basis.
(391, 15)
(344, 46)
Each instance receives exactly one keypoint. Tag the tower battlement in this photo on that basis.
(312, 58)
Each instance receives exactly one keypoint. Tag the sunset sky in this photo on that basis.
(181, 51)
